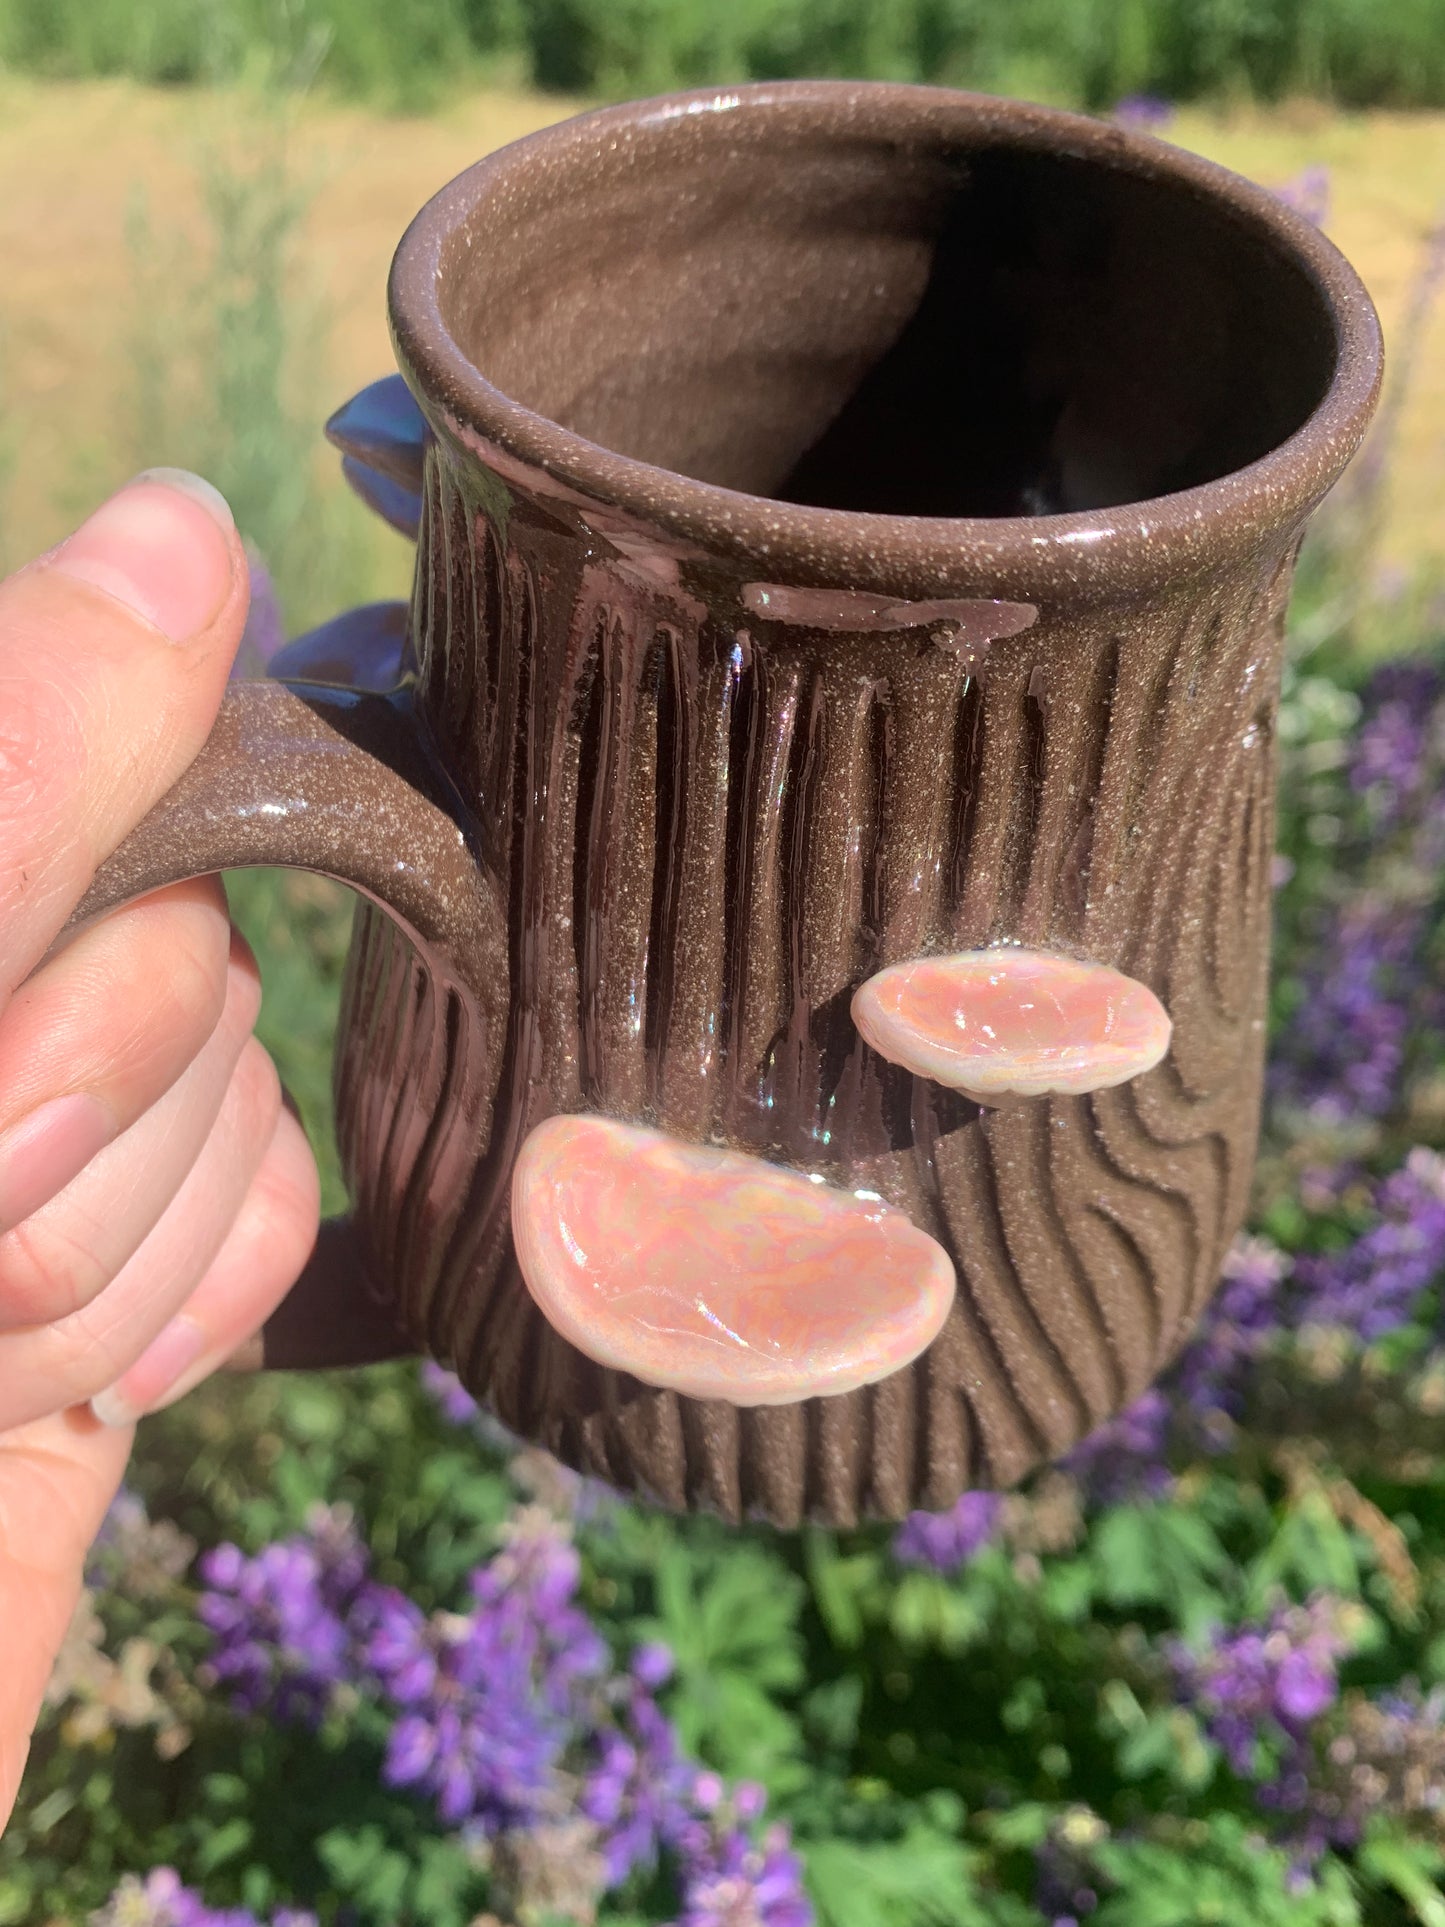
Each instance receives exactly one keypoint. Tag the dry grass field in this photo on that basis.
(74, 158)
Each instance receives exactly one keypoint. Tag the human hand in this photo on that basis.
(156, 1199)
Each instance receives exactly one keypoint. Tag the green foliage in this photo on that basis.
(1085, 51)
(932, 1741)
(1213, 1874)
(227, 360)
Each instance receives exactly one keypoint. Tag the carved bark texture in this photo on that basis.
(710, 828)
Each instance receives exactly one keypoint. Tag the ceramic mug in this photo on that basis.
(854, 526)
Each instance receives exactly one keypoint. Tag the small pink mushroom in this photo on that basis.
(716, 1274)
(1005, 1022)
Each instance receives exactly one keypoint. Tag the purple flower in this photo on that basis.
(639, 1791)
(1304, 1686)
(487, 1701)
(1242, 1322)
(946, 1541)
(652, 1665)
(456, 1402)
(1125, 1457)
(280, 1639)
(1308, 193)
(162, 1900)
(1259, 1690)
(1372, 1286)
(734, 1882)
(1344, 1052)
(1396, 749)
(1148, 112)
(636, 1791)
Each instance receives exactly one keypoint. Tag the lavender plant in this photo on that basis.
(1195, 1674)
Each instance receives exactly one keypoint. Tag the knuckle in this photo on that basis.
(155, 1010)
(287, 1193)
(193, 984)
(46, 1273)
(257, 1089)
(243, 992)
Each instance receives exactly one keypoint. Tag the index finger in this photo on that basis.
(114, 652)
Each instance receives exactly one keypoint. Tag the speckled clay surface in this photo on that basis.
(856, 523)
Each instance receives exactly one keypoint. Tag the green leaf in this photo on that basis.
(1160, 1555)
(843, 1588)
(1410, 1868)
(1311, 1552)
(227, 1842)
(1219, 1874)
(916, 1881)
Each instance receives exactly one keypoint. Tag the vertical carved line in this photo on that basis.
(384, 1018)
(701, 997)
(456, 642)
(744, 752)
(764, 1002)
(423, 613)
(924, 689)
(710, 1430)
(1001, 754)
(836, 1458)
(1118, 1262)
(872, 846)
(441, 1114)
(491, 613)
(967, 781)
(589, 712)
(1027, 840)
(1124, 828)
(1076, 707)
(414, 1040)
(603, 852)
(467, 611)
(621, 866)
(840, 830)
(772, 1463)
(650, 1445)
(669, 843)
(884, 1476)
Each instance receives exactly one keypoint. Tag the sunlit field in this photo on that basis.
(349, 1656)
(77, 159)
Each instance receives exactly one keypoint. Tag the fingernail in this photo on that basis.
(162, 1365)
(42, 1153)
(162, 547)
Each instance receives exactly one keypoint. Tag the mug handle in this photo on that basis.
(341, 781)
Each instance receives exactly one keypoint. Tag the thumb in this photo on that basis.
(114, 653)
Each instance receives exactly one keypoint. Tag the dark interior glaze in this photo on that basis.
(939, 327)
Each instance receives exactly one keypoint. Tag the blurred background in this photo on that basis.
(347, 1654)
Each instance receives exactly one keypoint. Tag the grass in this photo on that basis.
(1086, 52)
(77, 159)
(192, 278)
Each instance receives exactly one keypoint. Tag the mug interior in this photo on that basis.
(939, 322)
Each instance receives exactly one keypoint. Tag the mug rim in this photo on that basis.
(1132, 547)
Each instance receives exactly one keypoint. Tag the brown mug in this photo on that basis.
(855, 524)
